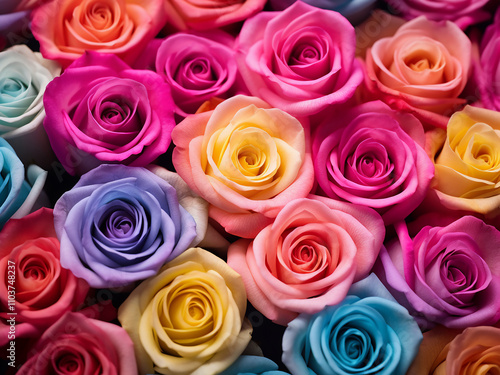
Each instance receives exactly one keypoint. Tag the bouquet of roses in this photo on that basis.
(250, 187)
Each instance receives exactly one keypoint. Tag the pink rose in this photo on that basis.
(447, 274)
(102, 111)
(487, 69)
(422, 69)
(78, 345)
(373, 156)
(308, 257)
(198, 15)
(32, 282)
(300, 60)
(246, 159)
(197, 68)
(462, 12)
(68, 28)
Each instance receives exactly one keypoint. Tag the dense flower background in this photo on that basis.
(249, 187)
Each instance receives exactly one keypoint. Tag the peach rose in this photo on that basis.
(448, 352)
(422, 68)
(467, 165)
(189, 319)
(67, 28)
(246, 159)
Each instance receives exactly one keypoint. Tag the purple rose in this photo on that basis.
(197, 68)
(373, 156)
(102, 111)
(462, 12)
(447, 275)
(120, 224)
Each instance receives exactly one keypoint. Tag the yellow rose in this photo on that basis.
(467, 173)
(188, 319)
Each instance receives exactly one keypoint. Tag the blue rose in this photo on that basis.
(121, 224)
(362, 335)
(355, 11)
(253, 365)
(17, 196)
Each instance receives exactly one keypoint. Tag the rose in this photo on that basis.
(300, 60)
(68, 28)
(418, 70)
(445, 351)
(246, 159)
(18, 197)
(14, 17)
(367, 334)
(463, 13)
(184, 14)
(251, 364)
(79, 345)
(102, 111)
(197, 68)
(120, 224)
(24, 75)
(466, 161)
(33, 284)
(188, 319)
(445, 274)
(308, 258)
(354, 10)
(373, 156)
(486, 69)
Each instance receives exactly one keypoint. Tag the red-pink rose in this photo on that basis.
(308, 257)
(78, 345)
(32, 282)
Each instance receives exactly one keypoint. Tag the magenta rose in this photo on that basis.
(79, 345)
(33, 285)
(447, 274)
(102, 111)
(197, 67)
(308, 257)
(373, 156)
(487, 69)
(300, 60)
(462, 12)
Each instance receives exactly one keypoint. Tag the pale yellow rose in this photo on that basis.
(467, 166)
(188, 319)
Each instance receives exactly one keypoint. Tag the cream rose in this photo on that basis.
(467, 165)
(189, 319)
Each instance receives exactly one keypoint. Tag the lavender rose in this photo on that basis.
(120, 224)
(446, 274)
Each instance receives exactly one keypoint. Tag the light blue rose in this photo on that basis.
(355, 11)
(17, 196)
(253, 365)
(363, 335)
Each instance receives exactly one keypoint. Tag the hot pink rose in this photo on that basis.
(308, 257)
(68, 28)
(373, 156)
(32, 282)
(447, 274)
(300, 60)
(462, 12)
(102, 111)
(422, 68)
(78, 345)
(246, 159)
(199, 15)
